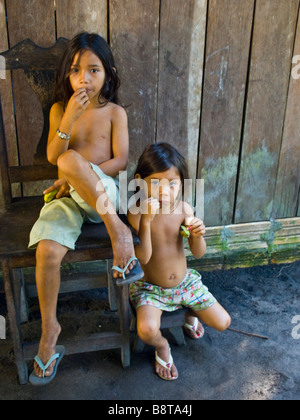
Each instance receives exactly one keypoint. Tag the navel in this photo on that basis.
(172, 277)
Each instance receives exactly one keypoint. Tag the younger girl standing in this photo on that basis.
(168, 283)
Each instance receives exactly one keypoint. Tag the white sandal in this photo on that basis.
(194, 328)
(166, 366)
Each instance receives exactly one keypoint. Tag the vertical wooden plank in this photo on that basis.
(134, 27)
(34, 20)
(288, 178)
(7, 101)
(181, 54)
(74, 16)
(226, 64)
(274, 28)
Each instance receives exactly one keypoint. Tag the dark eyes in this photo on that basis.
(76, 70)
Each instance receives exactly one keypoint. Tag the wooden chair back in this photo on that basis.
(40, 66)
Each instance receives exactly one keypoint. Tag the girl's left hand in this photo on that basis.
(62, 186)
(196, 227)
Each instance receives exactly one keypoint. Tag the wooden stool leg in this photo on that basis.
(15, 326)
(178, 335)
(20, 294)
(111, 289)
(124, 313)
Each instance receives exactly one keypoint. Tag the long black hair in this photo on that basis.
(95, 43)
(159, 157)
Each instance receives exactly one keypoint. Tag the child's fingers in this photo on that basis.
(198, 231)
(82, 97)
(63, 191)
(197, 227)
(154, 204)
(79, 92)
(195, 222)
(151, 205)
(52, 188)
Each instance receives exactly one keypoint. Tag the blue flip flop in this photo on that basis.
(45, 380)
(135, 274)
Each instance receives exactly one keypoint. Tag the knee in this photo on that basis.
(49, 252)
(69, 160)
(147, 330)
(224, 323)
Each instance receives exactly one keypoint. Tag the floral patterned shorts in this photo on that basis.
(191, 293)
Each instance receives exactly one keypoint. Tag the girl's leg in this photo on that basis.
(49, 256)
(215, 316)
(148, 327)
(78, 173)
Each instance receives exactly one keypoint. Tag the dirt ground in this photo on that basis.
(221, 366)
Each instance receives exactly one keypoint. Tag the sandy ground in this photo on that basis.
(221, 366)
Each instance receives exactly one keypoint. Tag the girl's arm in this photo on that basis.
(120, 143)
(55, 145)
(197, 230)
(143, 250)
(196, 240)
(142, 225)
(64, 121)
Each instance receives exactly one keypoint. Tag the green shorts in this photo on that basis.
(190, 293)
(61, 219)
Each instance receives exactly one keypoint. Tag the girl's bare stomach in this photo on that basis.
(166, 274)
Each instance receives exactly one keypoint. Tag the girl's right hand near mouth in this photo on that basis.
(150, 207)
(77, 104)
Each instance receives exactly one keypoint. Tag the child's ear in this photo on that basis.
(114, 69)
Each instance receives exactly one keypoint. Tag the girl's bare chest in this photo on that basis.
(93, 124)
(165, 229)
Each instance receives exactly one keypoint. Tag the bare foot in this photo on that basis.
(169, 372)
(195, 329)
(47, 349)
(123, 249)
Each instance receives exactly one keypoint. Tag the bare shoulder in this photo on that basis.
(56, 111)
(118, 112)
(57, 107)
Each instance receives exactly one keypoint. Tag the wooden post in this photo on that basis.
(271, 57)
(288, 178)
(226, 65)
(181, 55)
(78, 16)
(134, 28)
(14, 323)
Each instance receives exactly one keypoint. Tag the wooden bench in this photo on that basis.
(18, 216)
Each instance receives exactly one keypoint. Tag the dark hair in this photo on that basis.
(160, 157)
(95, 43)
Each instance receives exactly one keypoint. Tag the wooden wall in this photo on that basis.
(212, 77)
